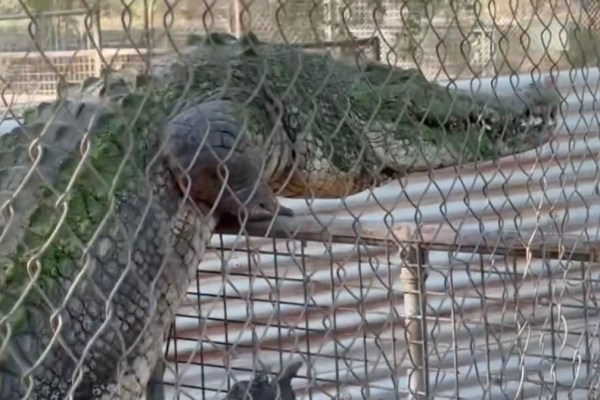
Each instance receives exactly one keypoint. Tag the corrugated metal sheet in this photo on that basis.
(497, 327)
(7, 125)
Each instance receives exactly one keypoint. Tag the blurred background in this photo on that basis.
(446, 40)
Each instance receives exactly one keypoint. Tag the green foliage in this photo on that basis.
(415, 15)
(39, 5)
(48, 5)
(583, 46)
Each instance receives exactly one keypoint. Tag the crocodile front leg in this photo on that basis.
(91, 324)
(113, 320)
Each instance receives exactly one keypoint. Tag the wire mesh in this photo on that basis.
(299, 199)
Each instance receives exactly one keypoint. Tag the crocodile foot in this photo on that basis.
(264, 388)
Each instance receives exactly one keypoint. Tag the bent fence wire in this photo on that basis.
(434, 233)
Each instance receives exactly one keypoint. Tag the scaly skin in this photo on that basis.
(329, 128)
(91, 279)
(102, 245)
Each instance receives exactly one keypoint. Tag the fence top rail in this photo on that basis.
(509, 244)
(65, 13)
(71, 53)
(111, 51)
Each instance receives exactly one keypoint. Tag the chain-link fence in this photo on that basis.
(299, 199)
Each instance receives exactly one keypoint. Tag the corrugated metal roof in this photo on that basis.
(7, 125)
(497, 326)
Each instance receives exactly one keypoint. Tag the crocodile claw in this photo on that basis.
(263, 214)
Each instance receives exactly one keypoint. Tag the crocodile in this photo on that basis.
(330, 127)
(107, 204)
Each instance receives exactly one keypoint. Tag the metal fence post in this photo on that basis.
(412, 279)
